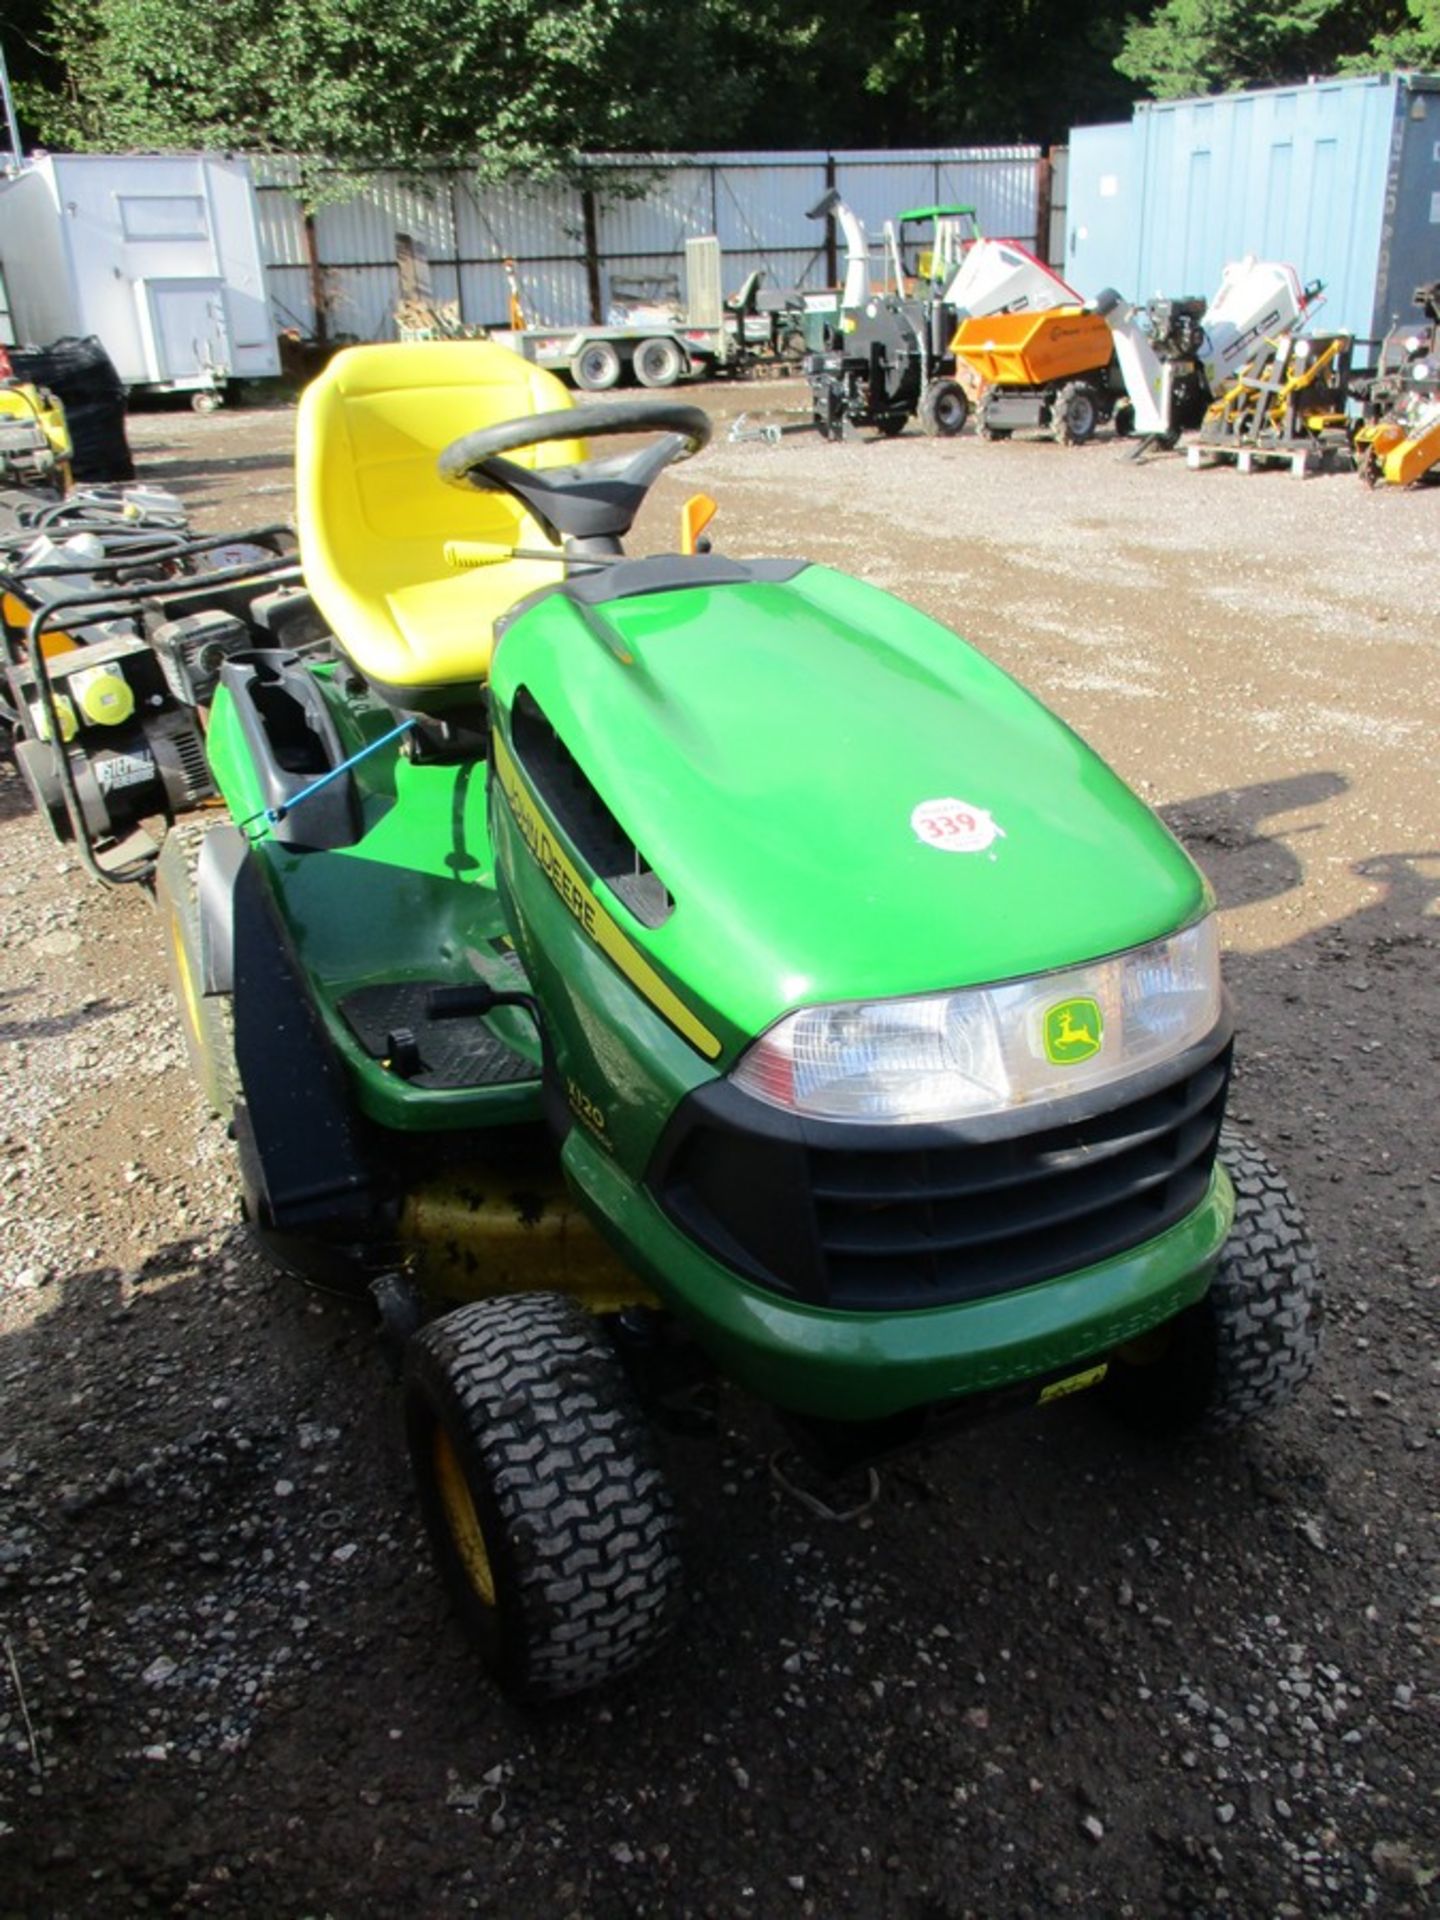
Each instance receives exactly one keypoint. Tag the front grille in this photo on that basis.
(863, 1224)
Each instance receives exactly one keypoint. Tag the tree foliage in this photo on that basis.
(1211, 46)
(533, 85)
(521, 83)
(1414, 41)
(530, 85)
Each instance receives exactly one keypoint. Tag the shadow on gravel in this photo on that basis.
(1223, 832)
(14, 799)
(187, 467)
(195, 481)
(53, 1025)
(1051, 1671)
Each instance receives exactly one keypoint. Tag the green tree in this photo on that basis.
(858, 73)
(522, 84)
(1412, 42)
(1211, 46)
(530, 85)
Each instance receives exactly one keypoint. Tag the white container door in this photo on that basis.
(189, 331)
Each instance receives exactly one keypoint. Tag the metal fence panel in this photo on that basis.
(282, 227)
(1004, 191)
(523, 222)
(761, 208)
(360, 302)
(361, 231)
(291, 300)
(755, 202)
(878, 190)
(678, 205)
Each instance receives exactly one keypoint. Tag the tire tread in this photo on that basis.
(570, 1464)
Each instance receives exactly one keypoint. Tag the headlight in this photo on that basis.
(988, 1050)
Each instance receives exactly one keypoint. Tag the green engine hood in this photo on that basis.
(844, 800)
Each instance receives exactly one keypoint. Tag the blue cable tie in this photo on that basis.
(274, 815)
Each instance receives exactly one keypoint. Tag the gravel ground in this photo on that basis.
(1050, 1671)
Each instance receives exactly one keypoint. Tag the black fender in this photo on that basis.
(221, 853)
(300, 1139)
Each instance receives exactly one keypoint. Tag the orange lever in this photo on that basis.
(696, 514)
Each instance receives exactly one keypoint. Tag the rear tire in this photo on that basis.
(658, 363)
(1245, 1349)
(545, 1505)
(944, 409)
(1075, 414)
(596, 367)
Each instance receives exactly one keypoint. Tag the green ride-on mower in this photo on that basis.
(632, 959)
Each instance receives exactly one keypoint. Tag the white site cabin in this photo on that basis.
(158, 254)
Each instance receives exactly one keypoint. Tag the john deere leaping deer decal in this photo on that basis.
(1074, 1030)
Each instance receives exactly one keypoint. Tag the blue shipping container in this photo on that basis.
(1339, 178)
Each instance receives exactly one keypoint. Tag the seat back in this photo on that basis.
(375, 520)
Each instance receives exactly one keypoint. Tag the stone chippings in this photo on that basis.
(1048, 1671)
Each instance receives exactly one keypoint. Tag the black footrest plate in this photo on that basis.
(453, 1053)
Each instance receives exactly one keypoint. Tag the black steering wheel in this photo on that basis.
(594, 499)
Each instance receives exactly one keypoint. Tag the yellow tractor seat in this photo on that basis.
(397, 559)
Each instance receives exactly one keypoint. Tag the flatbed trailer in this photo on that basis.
(654, 353)
(712, 335)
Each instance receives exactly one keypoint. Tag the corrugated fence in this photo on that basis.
(335, 272)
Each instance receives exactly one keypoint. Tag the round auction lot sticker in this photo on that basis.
(955, 826)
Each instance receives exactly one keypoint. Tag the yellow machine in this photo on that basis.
(1287, 404)
(34, 439)
(1055, 369)
(1400, 452)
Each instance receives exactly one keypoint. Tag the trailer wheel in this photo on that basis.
(658, 363)
(544, 1503)
(1075, 414)
(596, 367)
(1245, 1349)
(944, 409)
(206, 400)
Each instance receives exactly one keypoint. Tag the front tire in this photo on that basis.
(596, 367)
(944, 409)
(1253, 1341)
(1075, 414)
(545, 1505)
